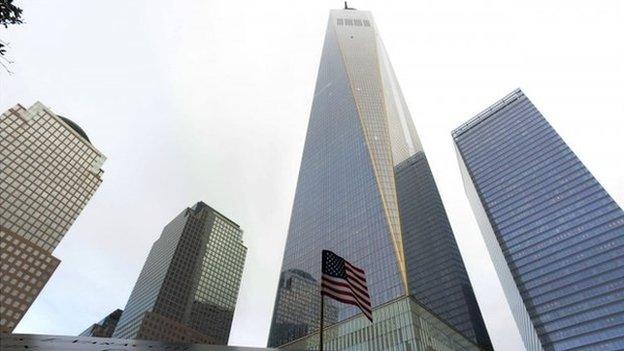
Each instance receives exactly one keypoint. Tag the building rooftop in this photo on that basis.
(75, 127)
(483, 115)
(201, 205)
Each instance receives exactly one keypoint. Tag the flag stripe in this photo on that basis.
(359, 279)
(356, 276)
(346, 289)
(340, 298)
(346, 298)
(349, 265)
(361, 289)
(367, 311)
(347, 283)
(355, 273)
(343, 292)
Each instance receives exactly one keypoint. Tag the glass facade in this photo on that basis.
(349, 193)
(48, 172)
(435, 270)
(189, 284)
(559, 235)
(399, 325)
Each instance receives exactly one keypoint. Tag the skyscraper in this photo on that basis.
(555, 236)
(105, 327)
(189, 284)
(48, 172)
(365, 191)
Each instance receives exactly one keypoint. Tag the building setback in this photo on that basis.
(188, 287)
(366, 192)
(555, 236)
(105, 327)
(48, 172)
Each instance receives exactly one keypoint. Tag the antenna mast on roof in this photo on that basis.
(347, 7)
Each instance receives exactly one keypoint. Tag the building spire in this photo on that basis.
(347, 6)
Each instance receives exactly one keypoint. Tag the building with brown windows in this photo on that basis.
(48, 172)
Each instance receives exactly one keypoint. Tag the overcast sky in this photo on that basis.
(209, 100)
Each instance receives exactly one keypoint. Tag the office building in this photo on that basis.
(554, 234)
(48, 172)
(189, 284)
(105, 327)
(365, 191)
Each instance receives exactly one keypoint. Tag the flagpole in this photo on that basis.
(321, 327)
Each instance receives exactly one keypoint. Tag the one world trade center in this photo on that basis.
(366, 192)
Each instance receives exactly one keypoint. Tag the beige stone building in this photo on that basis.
(48, 172)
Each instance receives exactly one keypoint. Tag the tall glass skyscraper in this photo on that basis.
(49, 170)
(188, 287)
(365, 191)
(556, 237)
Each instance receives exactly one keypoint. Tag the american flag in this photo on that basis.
(345, 282)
